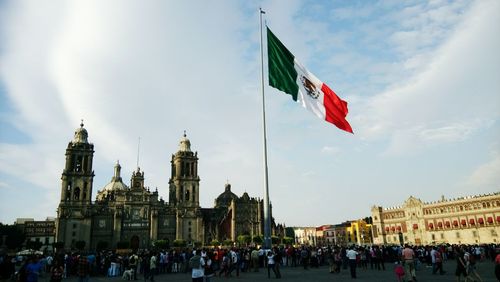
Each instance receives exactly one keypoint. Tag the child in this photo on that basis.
(399, 270)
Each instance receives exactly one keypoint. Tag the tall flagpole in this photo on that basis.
(267, 215)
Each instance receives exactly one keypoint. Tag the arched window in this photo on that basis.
(76, 193)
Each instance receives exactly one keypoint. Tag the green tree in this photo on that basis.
(275, 240)
(287, 240)
(123, 245)
(58, 246)
(80, 245)
(180, 243)
(227, 242)
(102, 245)
(34, 245)
(244, 239)
(14, 236)
(215, 243)
(161, 244)
(258, 239)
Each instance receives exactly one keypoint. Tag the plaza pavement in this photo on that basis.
(321, 274)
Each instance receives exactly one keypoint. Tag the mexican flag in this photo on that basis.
(290, 76)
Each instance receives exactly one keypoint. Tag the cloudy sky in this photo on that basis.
(422, 79)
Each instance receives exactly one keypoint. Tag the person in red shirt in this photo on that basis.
(497, 265)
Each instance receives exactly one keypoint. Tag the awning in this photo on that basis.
(440, 224)
(480, 220)
(447, 224)
(415, 226)
(463, 222)
(472, 221)
(455, 223)
(431, 225)
(490, 219)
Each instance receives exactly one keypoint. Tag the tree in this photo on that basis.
(123, 245)
(34, 245)
(160, 244)
(14, 236)
(275, 240)
(258, 239)
(244, 239)
(215, 243)
(80, 245)
(102, 245)
(58, 246)
(227, 242)
(180, 243)
(287, 240)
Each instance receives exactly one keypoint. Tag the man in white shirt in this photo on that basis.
(351, 255)
(197, 263)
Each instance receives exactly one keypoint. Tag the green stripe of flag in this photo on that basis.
(282, 73)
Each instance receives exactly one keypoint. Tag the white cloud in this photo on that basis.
(153, 69)
(487, 175)
(330, 150)
(451, 98)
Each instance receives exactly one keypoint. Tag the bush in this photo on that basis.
(123, 245)
(180, 243)
(80, 245)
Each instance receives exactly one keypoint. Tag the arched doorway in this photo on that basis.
(134, 242)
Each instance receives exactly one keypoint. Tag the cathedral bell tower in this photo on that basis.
(184, 193)
(184, 183)
(74, 211)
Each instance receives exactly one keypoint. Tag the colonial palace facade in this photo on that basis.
(136, 215)
(467, 220)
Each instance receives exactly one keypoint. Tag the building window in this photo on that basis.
(458, 234)
(442, 235)
(474, 233)
(433, 237)
(73, 234)
(74, 225)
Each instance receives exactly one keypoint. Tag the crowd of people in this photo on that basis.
(205, 263)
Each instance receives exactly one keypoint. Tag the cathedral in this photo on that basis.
(135, 215)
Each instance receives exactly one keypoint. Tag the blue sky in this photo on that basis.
(422, 79)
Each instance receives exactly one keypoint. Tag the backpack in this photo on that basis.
(194, 262)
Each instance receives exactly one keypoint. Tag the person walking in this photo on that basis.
(437, 261)
(197, 264)
(208, 271)
(351, 256)
(408, 258)
(461, 266)
(271, 264)
(83, 269)
(152, 267)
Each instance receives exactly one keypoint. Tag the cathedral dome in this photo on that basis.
(81, 134)
(116, 184)
(226, 197)
(185, 144)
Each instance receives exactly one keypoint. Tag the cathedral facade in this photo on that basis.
(136, 215)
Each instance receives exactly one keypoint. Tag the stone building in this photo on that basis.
(135, 215)
(467, 220)
(42, 231)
